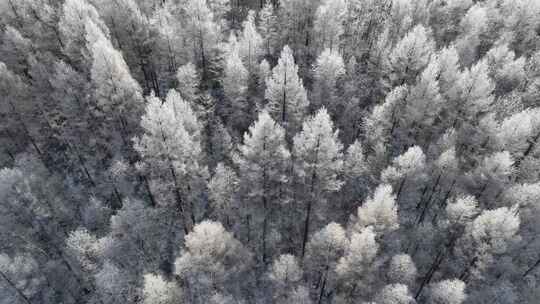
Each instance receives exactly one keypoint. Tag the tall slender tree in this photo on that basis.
(318, 164)
(287, 98)
(263, 161)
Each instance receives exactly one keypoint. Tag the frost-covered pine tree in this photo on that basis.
(268, 28)
(170, 151)
(379, 212)
(223, 191)
(323, 251)
(235, 86)
(250, 43)
(263, 161)
(328, 72)
(203, 31)
(354, 266)
(329, 23)
(188, 82)
(117, 94)
(318, 160)
(213, 261)
(72, 29)
(287, 98)
(286, 276)
(410, 55)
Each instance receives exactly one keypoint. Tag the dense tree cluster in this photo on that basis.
(278, 151)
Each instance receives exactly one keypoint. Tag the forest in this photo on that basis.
(269, 151)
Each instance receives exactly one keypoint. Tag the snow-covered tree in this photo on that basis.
(170, 153)
(72, 29)
(212, 261)
(357, 178)
(188, 82)
(328, 24)
(488, 236)
(287, 98)
(355, 266)
(203, 31)
(158, 291)
(407, 168)
(395, 294)
(323, 251)
(235, 85)
(402, 269)
(410, 55)
(379, 211)
(117, 94)
(250, 43)
(328, 71)
(285, 276)
(318, 164)
(263, 162)
(223, 189)
(473, 25)
(447, 292)
(268, 28)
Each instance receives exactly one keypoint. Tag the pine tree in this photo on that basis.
(131, 29)
(322, 254)
(170, 152)
(188, 83)
(318, 163)
(423, 106)
(221, 10)
(23, 279)
(328, 71)
(268, 28)
(489, 235)
(202, 30)
(285, 276)
(379, 212)
(356, 174)
(447, 292)
(408, 168)
(359, 259)
(263, 161)
(383, 119)
(473, 25)
(235, 85)
(72, 29)
(117, 94)
(251, 43)
(328, 24)
(223, 190)
(410, 55)
(507, 71)
(395, 294)
(158, 291)
(287, 99)
(212, 261)
(402, 269)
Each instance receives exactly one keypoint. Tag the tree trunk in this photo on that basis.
(264, 234)
(429, 275)
(325, 277)
(306, 228)
(400, 189)
(531, 268)
(149, 191)
(14, 287)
